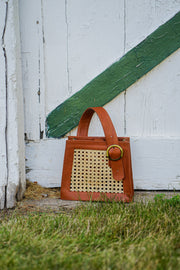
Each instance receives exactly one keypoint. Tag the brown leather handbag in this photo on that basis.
(97, 168)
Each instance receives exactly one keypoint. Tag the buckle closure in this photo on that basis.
(113, 146)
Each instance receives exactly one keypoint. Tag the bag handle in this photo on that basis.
(108, 127)
(114, 151)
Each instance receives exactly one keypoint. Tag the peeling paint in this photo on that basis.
(2, 196)
(28, 169)
(13, 122)
(12, 190)
(6, 89)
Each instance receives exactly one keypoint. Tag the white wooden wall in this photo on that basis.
(65, 44)
(12, 154)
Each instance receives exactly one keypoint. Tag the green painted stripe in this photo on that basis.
(115, 79)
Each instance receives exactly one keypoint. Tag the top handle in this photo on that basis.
(114, 151)
(108, 127)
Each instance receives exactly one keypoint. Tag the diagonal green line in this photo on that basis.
(115, 79)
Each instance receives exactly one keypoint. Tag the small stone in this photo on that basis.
(44, 195)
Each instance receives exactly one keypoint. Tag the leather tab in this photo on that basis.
(117, 169)
(116, 165)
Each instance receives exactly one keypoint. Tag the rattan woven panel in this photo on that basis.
(91, 173)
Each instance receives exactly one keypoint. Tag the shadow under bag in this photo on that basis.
(97, 168)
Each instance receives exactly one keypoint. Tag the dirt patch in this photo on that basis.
(40, 199)
(37, 192)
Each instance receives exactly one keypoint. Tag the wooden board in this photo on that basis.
(3, 109)
(12, 163)
(32, 52)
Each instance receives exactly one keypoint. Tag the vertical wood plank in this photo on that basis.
(3, 157)
(139, 21)
(2, 197)
(15, 131)
(95, 38)
(55, 52)
(32, 58)
(12, 167)
(42, 75)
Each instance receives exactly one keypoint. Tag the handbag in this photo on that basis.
(97, 168)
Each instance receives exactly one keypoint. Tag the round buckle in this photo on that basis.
(112, 146)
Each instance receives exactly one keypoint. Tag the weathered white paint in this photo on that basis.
(67, 43)
(32, 66)
(143, 17)
(3, 157)
(2, 197)
(155, 162)
(55, 52)
(95, 38)
(12, 173)
(45, 161)
(153, 103)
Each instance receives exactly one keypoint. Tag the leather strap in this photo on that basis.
(110, 135)
(109, 131)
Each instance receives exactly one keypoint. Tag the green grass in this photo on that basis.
(95, 236)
